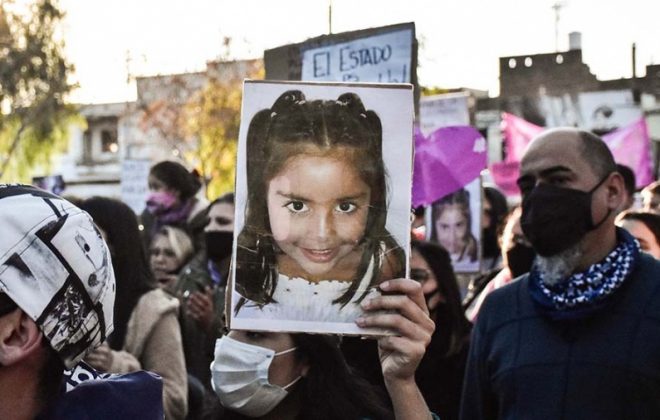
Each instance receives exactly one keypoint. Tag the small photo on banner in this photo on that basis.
(323, 198)
(454, 222)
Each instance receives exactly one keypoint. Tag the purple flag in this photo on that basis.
(631, 146)
(445, 161)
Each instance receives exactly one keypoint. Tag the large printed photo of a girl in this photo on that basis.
(323, 203)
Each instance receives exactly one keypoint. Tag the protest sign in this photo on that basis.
(384, 58)
(134, 183)
(322, 203)
(443, 111)
(386, 54)
(454, 222)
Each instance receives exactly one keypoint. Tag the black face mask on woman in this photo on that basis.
(218, 244)
(556, 218)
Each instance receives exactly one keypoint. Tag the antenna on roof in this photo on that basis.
(557, 8)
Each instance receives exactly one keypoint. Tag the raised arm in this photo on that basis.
(408, 318)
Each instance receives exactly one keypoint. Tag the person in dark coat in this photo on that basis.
(578, 336)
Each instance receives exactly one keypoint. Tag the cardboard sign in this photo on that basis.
(323, 184)
(382, 58)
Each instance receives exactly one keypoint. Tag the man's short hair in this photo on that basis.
(628, 178)
(55, 266)
(596, 153)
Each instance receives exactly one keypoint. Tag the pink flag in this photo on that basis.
(445, 161)
(631, 146)
(506, 174)
(518, 133)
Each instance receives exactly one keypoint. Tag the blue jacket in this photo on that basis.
(91, 396)
(522, 365)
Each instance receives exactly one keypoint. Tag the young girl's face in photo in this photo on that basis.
(451, 227)
(318, 206)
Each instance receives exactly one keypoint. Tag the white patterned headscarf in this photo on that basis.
(56, 267)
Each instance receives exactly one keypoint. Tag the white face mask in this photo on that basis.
(240, 377)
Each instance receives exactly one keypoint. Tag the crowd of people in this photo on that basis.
(562, 323)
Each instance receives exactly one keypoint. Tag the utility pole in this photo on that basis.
(557, 8)
(329, 17)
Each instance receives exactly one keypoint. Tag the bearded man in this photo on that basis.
(579, 336)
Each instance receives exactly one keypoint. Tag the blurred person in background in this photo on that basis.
(645, 227)
(495, 209)
(629, 183)
(440, 373)
(651, 197)
(517, 256)
(172, 201)
(170, 249)
(147, 334)
(201, 288)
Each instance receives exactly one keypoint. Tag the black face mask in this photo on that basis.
(218, 244)
(556, 218)
(489, 246)
(520, 259)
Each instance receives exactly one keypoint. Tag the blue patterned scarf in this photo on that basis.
(586, 292)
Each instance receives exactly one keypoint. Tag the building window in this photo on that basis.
(109, 141)
(528, 62)
(512, 63)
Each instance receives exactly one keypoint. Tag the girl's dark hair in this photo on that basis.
(282, 131)
(175, 176)
(455, 330)
(331, 390)
(227, 198)
(498, 211)
(650, 220)
(50, 375)
(129, 259)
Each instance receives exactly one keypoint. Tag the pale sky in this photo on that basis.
(460, 40)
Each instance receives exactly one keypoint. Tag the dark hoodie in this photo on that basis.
(87, 394)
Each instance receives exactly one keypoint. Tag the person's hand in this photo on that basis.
(406, 315)
(402, 311)
(201, 308)
(100, 358)
(165, 280)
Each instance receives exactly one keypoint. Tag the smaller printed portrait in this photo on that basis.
(454, 222)
(323, 184)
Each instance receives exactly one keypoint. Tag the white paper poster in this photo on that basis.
(323, 185)
(382, 58)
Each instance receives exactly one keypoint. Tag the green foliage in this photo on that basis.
(212, 117)
(33, 85)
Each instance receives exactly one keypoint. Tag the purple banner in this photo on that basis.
(445, 161)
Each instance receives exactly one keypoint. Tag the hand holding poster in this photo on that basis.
(319, 223)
